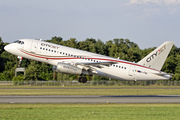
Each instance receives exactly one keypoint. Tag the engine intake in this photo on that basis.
(67, 69)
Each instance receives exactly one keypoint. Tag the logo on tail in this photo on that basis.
(156, 54)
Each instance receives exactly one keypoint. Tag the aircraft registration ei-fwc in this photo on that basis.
(73, 61)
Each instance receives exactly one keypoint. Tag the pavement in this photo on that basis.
(92, 99)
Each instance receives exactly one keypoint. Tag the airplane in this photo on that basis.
(74, 61)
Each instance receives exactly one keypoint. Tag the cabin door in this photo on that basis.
(34, 46)
(132, 70)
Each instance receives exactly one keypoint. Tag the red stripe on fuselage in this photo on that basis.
(45, 57)
(89, 58)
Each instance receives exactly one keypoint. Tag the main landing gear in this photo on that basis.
(82, 79)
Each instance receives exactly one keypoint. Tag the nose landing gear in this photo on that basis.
(20, 60)
(19, 68)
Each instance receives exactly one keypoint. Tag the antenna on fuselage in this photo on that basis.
(40, 39)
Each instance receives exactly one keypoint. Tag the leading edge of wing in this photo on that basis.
(96, 63)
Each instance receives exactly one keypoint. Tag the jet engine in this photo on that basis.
(67, 69)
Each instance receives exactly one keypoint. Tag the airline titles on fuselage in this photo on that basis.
(47, 45)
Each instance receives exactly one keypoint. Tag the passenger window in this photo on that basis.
(51, 50)
(116, 65)
(46, 49)
(60, 52)
(40, 47)
(22, 43)
(68, 54)
(71, 55)
(43, 48)
(74, 56)
(54, 51)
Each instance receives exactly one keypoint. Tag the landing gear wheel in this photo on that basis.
(82, 79)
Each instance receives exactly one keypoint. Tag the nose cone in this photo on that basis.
(11, 48)
(7, 48)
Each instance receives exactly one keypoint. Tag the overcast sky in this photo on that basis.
(146, 22)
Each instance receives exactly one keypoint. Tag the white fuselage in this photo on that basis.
(53, 54)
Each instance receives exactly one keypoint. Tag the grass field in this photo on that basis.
(90, 91)
(97, 86)
(89, 111)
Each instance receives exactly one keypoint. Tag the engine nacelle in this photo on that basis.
(67, 69)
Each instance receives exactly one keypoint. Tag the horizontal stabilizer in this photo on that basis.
(162, 74)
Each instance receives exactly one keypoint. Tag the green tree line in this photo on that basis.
(122, 48)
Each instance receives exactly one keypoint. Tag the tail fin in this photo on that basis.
(157, 57)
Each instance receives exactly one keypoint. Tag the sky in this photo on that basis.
(148, 23)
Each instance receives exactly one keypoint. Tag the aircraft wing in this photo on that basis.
(96, 64)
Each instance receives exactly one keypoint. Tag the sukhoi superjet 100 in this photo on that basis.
(74, 61)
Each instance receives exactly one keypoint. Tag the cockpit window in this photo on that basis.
(19, 42)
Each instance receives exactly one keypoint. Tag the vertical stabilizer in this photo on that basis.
(157, 57)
